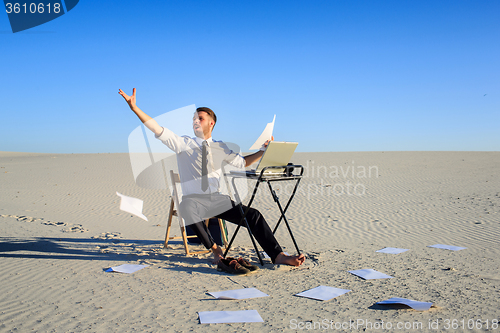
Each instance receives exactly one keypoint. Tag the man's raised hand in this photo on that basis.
(130, 99)
(264, 146)
(147, 120)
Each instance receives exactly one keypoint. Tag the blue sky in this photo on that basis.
(339, 75)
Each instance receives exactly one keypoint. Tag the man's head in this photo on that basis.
(204, 120)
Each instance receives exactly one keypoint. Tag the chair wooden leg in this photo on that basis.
(186, 245)
(183, 232)
(184, 240)
(223, 231)
(169, 224)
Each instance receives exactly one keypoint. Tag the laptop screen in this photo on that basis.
(277, 154)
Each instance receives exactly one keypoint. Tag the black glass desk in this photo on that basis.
(280, 174)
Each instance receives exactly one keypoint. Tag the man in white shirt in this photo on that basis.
(202, 199)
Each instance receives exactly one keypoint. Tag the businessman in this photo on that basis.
(197, 158)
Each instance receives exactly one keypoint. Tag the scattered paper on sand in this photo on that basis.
(225, 317)
(392, 250)
(239, 294)
(266, 135)
(370, 274)
(447, 247)
(419, 306)
(132, 206)
(126, 268)
(323, 293)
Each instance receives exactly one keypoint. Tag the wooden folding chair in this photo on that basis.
(174, 211)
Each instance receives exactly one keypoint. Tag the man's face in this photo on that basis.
(202, 124)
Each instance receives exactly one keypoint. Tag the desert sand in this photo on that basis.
(61, 228)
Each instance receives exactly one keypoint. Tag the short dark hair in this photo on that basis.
(209, 112)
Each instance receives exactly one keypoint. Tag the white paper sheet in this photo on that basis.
(126, 268)
(419, 306)
(266, 135)
(370, 274)
(447, 247)
(392, 250)
(132, 206)
(239, 294)
(323, 293)
(224, 317)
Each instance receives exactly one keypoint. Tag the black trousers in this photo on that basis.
(196, 208)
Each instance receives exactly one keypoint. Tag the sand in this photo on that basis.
(61, 228)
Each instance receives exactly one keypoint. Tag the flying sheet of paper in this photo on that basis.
(126, 268)
(419, 306)
(370, 274)
(132, 206)
(266, 135)
(239, 294)
(392, 250)
(323, 293)
(225, 317)
(447, 247)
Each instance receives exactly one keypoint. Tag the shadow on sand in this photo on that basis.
(91, 249)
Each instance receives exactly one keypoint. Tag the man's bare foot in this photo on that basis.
(218, 254)
(283, 259)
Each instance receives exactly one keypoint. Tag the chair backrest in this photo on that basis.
(175, 179)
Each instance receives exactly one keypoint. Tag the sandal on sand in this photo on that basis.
(245, 264)
(231, 266)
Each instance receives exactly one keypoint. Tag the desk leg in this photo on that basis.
(287, 204)
(243, 219)
(232, 239)
(275, 197)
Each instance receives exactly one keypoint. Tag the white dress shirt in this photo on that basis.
(189, 156)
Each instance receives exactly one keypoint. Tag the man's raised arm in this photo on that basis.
(147, 120)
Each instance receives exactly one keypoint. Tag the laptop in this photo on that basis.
(277, 154)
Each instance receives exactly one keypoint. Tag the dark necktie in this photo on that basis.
(204, 169)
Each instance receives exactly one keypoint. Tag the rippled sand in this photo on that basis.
(61, 227)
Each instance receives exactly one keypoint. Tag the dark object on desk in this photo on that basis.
(289, 169)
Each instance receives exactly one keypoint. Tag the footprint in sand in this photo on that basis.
(55, 223)
(108, 235)
(75, 228)
(72, 227)
(313, 258)
(23, 218)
